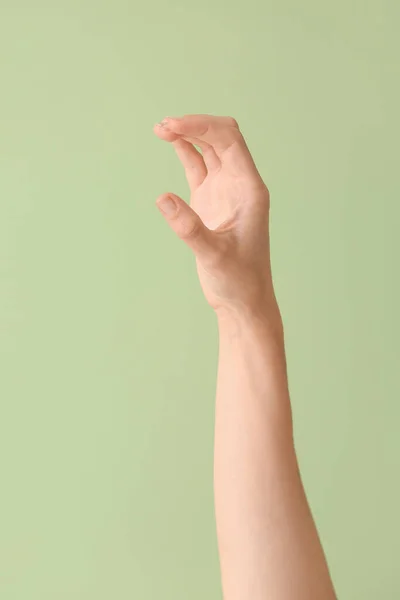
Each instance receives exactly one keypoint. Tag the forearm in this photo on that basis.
(269, 546)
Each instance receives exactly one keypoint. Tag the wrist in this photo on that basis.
(265, 317)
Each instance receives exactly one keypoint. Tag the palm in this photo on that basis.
(236, 212)
(216, 200)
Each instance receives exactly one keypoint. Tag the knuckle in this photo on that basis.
(190, 231)
(233, 139)
(232, 122)
(237, 136)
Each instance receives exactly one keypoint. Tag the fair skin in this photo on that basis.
(268, 543)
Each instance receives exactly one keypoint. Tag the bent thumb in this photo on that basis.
(186, 223)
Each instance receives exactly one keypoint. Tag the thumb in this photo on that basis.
(187, 224)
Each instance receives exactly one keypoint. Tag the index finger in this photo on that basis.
(220, 132)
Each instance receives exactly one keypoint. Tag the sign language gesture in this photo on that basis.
(226, 221)
(269, 545)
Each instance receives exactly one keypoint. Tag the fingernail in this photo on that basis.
(168, 206)
(163, 124)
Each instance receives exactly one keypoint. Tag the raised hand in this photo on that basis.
(268, 542)
(226, 223)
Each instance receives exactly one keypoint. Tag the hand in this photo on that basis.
(227, 222)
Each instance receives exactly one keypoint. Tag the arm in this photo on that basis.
(268, 543)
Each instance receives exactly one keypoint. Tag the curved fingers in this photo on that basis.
(222, 134)
(192, 161)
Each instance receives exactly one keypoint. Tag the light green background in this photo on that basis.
(108, 350)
